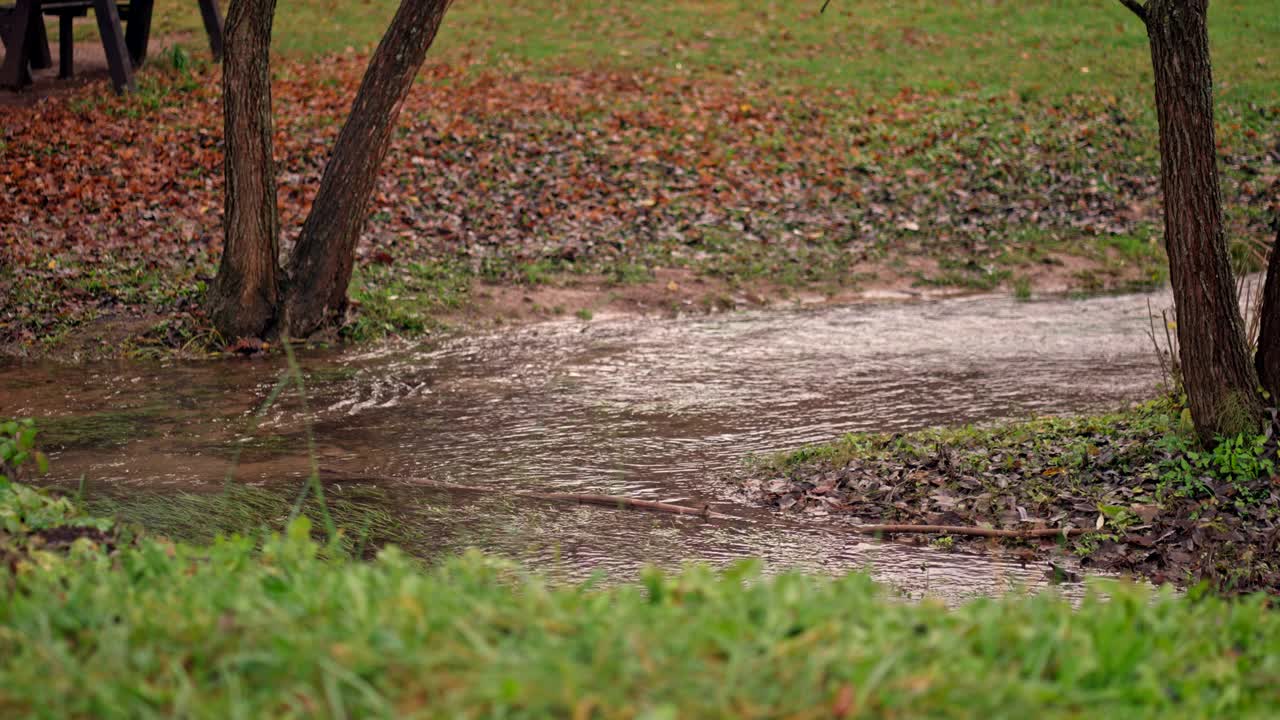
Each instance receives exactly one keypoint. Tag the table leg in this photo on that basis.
(113, 44)
(138, 30)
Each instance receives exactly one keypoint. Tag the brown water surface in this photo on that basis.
(655, 409)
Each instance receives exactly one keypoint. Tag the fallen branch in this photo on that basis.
(615, 501)
(970, 531)
(626, 502)
(618, 501)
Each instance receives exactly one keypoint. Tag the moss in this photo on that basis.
(1239, 414)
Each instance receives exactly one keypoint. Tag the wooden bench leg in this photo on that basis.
(137, 31)
(38, 45)
(14, 73)
(113, 43)
(66, 48)
(213, 26)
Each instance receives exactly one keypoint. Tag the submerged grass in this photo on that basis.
(106, 627)
(200, 518)
(100, 430)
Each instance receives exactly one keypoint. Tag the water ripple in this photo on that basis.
(648, 408)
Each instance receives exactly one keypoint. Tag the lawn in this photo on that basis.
(1041, 48)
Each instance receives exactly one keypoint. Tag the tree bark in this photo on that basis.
(1267, 359)
(1219, 379)
(243, 300)
(321, 263)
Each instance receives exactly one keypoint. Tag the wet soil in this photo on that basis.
(651, 408)
(682, 291)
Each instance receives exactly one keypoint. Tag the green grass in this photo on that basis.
(401, 298)
(1040, 48)
(1022, 288)
(292, 628)
(1051, 442)
(59, 296)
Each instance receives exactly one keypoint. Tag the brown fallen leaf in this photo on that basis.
(842, 706)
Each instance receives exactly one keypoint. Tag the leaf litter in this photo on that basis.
(587, 172)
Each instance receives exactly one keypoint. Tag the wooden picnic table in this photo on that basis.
(125, 45)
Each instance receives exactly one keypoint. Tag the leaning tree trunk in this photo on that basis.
(244, 296)
(321, 262)
(1267, 360)
(1220, 380)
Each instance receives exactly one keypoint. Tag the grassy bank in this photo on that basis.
(1157, 505)
(97, 622)
(763, 149)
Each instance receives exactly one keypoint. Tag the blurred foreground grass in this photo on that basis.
(293, 629)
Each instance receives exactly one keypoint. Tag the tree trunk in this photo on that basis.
(1267, 360)
(243, 299)
(320, 265)
(1219, 379)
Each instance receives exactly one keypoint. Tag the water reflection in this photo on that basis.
(657, 409)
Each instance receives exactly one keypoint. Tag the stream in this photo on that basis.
(658, 409)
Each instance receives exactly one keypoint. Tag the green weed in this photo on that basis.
(401, 299)
(1022, 288)
(1239, 461)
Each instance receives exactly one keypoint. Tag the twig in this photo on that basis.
(1138, 9)
(313, 480)
(963, 530)
(1175, 368)
(1166, 373)
(1251, 301)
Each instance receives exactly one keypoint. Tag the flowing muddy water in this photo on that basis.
(659, 409)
